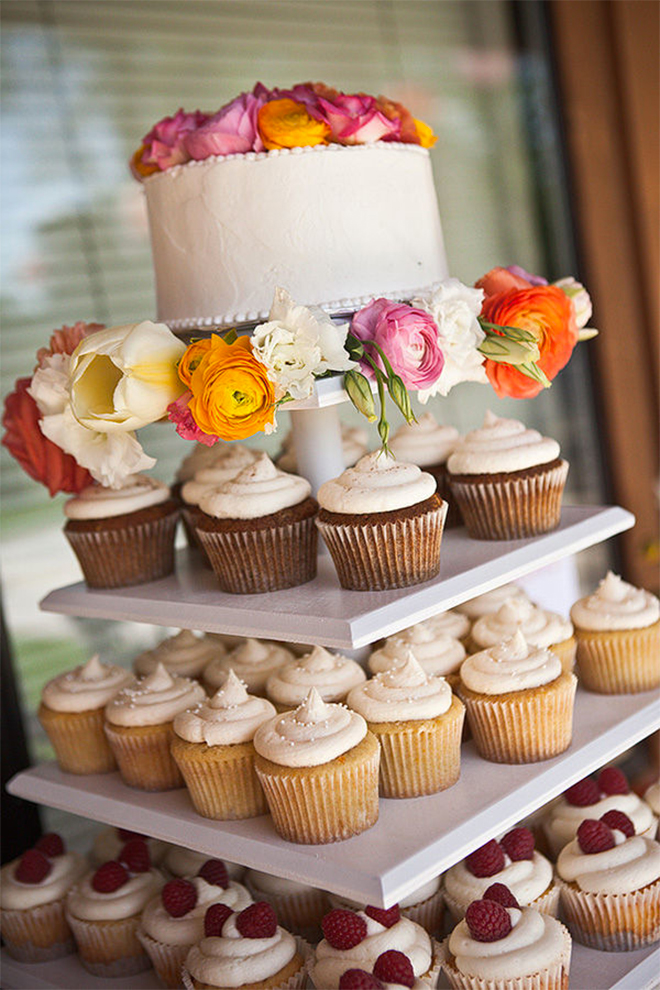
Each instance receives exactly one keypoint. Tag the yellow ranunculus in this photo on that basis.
(287, 124)
(425, 134)
(193, 355)
(232, 395)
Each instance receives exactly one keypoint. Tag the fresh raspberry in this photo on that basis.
(51, 845)
(126, 835)
(394, 967)
(214, 872)
(215, 918)
(179, 897)
(617, 819)
(33, 867)
(358, 979)
(487, 861)
(135, 856)
(386, 918)
(343, 929)
(584, 793)
(257, 921)
(500, 892)
(611, 780)
(518, 844)
(109, 877)
(594, 836)
(488, 921)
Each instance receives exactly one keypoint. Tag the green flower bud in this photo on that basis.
(507, 351)
(359, 392)
(400, 397)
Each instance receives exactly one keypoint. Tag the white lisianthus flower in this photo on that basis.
(297, 343)
(580, 298)
(125, 377)
(455, 308)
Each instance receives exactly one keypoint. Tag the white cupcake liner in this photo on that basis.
(167, 960)
(109, 948)
(613, 922)
(37, 935)
(553, 978)
(622, 661)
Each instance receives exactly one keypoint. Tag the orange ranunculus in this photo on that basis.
(287, 124)
(232, 395)
(138, 167)
(549, 315)
(500, 280)
(192, 355)
(425, 133)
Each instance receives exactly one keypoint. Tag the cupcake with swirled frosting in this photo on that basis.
(258, 529)
(213, 749)
(541, 628)
(182, 862)
(109, 842)
(439, 654)
(252, 660)
(490, 601)
(618, 638)
(123, 536)
(519, 702)
(318, 766)
(298, 906)
(139, 726)
(71, 712)
(182, 655)
(418, 723)
(376, 505)
(507, 480)
(331, 674)
(428, 444)
(425, 905)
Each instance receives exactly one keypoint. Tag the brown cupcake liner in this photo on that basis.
(38, 934)
(512, 507)
(553, 978)
(254, 561)
(441, 475)
(325, 803)
(109, 948)
(523, 726)
(221, 780)
(300, 912)
(378, 556)
(546, 903)
(420, 757)
(79, 740)
(143, 756)
(295, 981)
(612, 922)
(167, 960)
(117, 558)
(619, 662)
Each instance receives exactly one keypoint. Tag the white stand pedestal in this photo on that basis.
(317, 442)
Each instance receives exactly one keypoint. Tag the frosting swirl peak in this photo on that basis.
(312, 734)
(154, 699)
(85, 688)
(377, 483)
(258, 490)
(230, 716)
(501, 445)
(509, 666)
(332, 675)
(616, 605)
(403, 693)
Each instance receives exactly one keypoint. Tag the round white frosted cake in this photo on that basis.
(335, 225)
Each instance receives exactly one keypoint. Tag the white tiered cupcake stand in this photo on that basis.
(414, 840)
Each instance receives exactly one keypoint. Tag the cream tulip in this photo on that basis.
(125, 377)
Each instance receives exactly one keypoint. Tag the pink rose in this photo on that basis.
(165, 144)
(179, 413)
(357, 120)
(408, 337)
(232, 130)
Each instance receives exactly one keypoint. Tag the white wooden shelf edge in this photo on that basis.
(413, 841)
(321, 611)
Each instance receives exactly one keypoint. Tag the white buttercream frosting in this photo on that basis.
(416, 896)
(182, 862)
(231, 716)
(253, 661)
(377, 483)
(314, 733)
(266, 883)
(563, 819)
(631, 864)
(436, 652)
(184, 654)
(616, 605)
(200, 457)
(87, 687)
(154, 700)
(354, 444)
(527, 879)
(535, 943)
(510, 666)
(128, 900)
(405, 936)
(425, 443)
(331, 674)
(96, 502)
(108, 843)
(451, 623)
(230, 460)
(652, 798)
(189, 928)
(258, 490)
(501, 445)
(230, 960)
(65, 870)
(402, 694)
(490, 601)
(538, 626)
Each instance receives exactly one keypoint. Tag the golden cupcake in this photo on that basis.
(540, 627)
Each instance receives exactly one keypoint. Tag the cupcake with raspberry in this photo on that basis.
(71, 712)
(173, 921)
(618, 638)
(500, 945)
(245, 949)
(592, 798)
(33, 891)
(298, 906)
(437, 653)
(331, 674)
(491, 601)
(652, 798)
(109, 842)
(252, 660)
(182, 655)
(356, 940)
(610, 885)
(514, 862)
(182, 862)
(425, 905)
(104, 909)
(428, 444)
(541, 628)
(393, 970)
